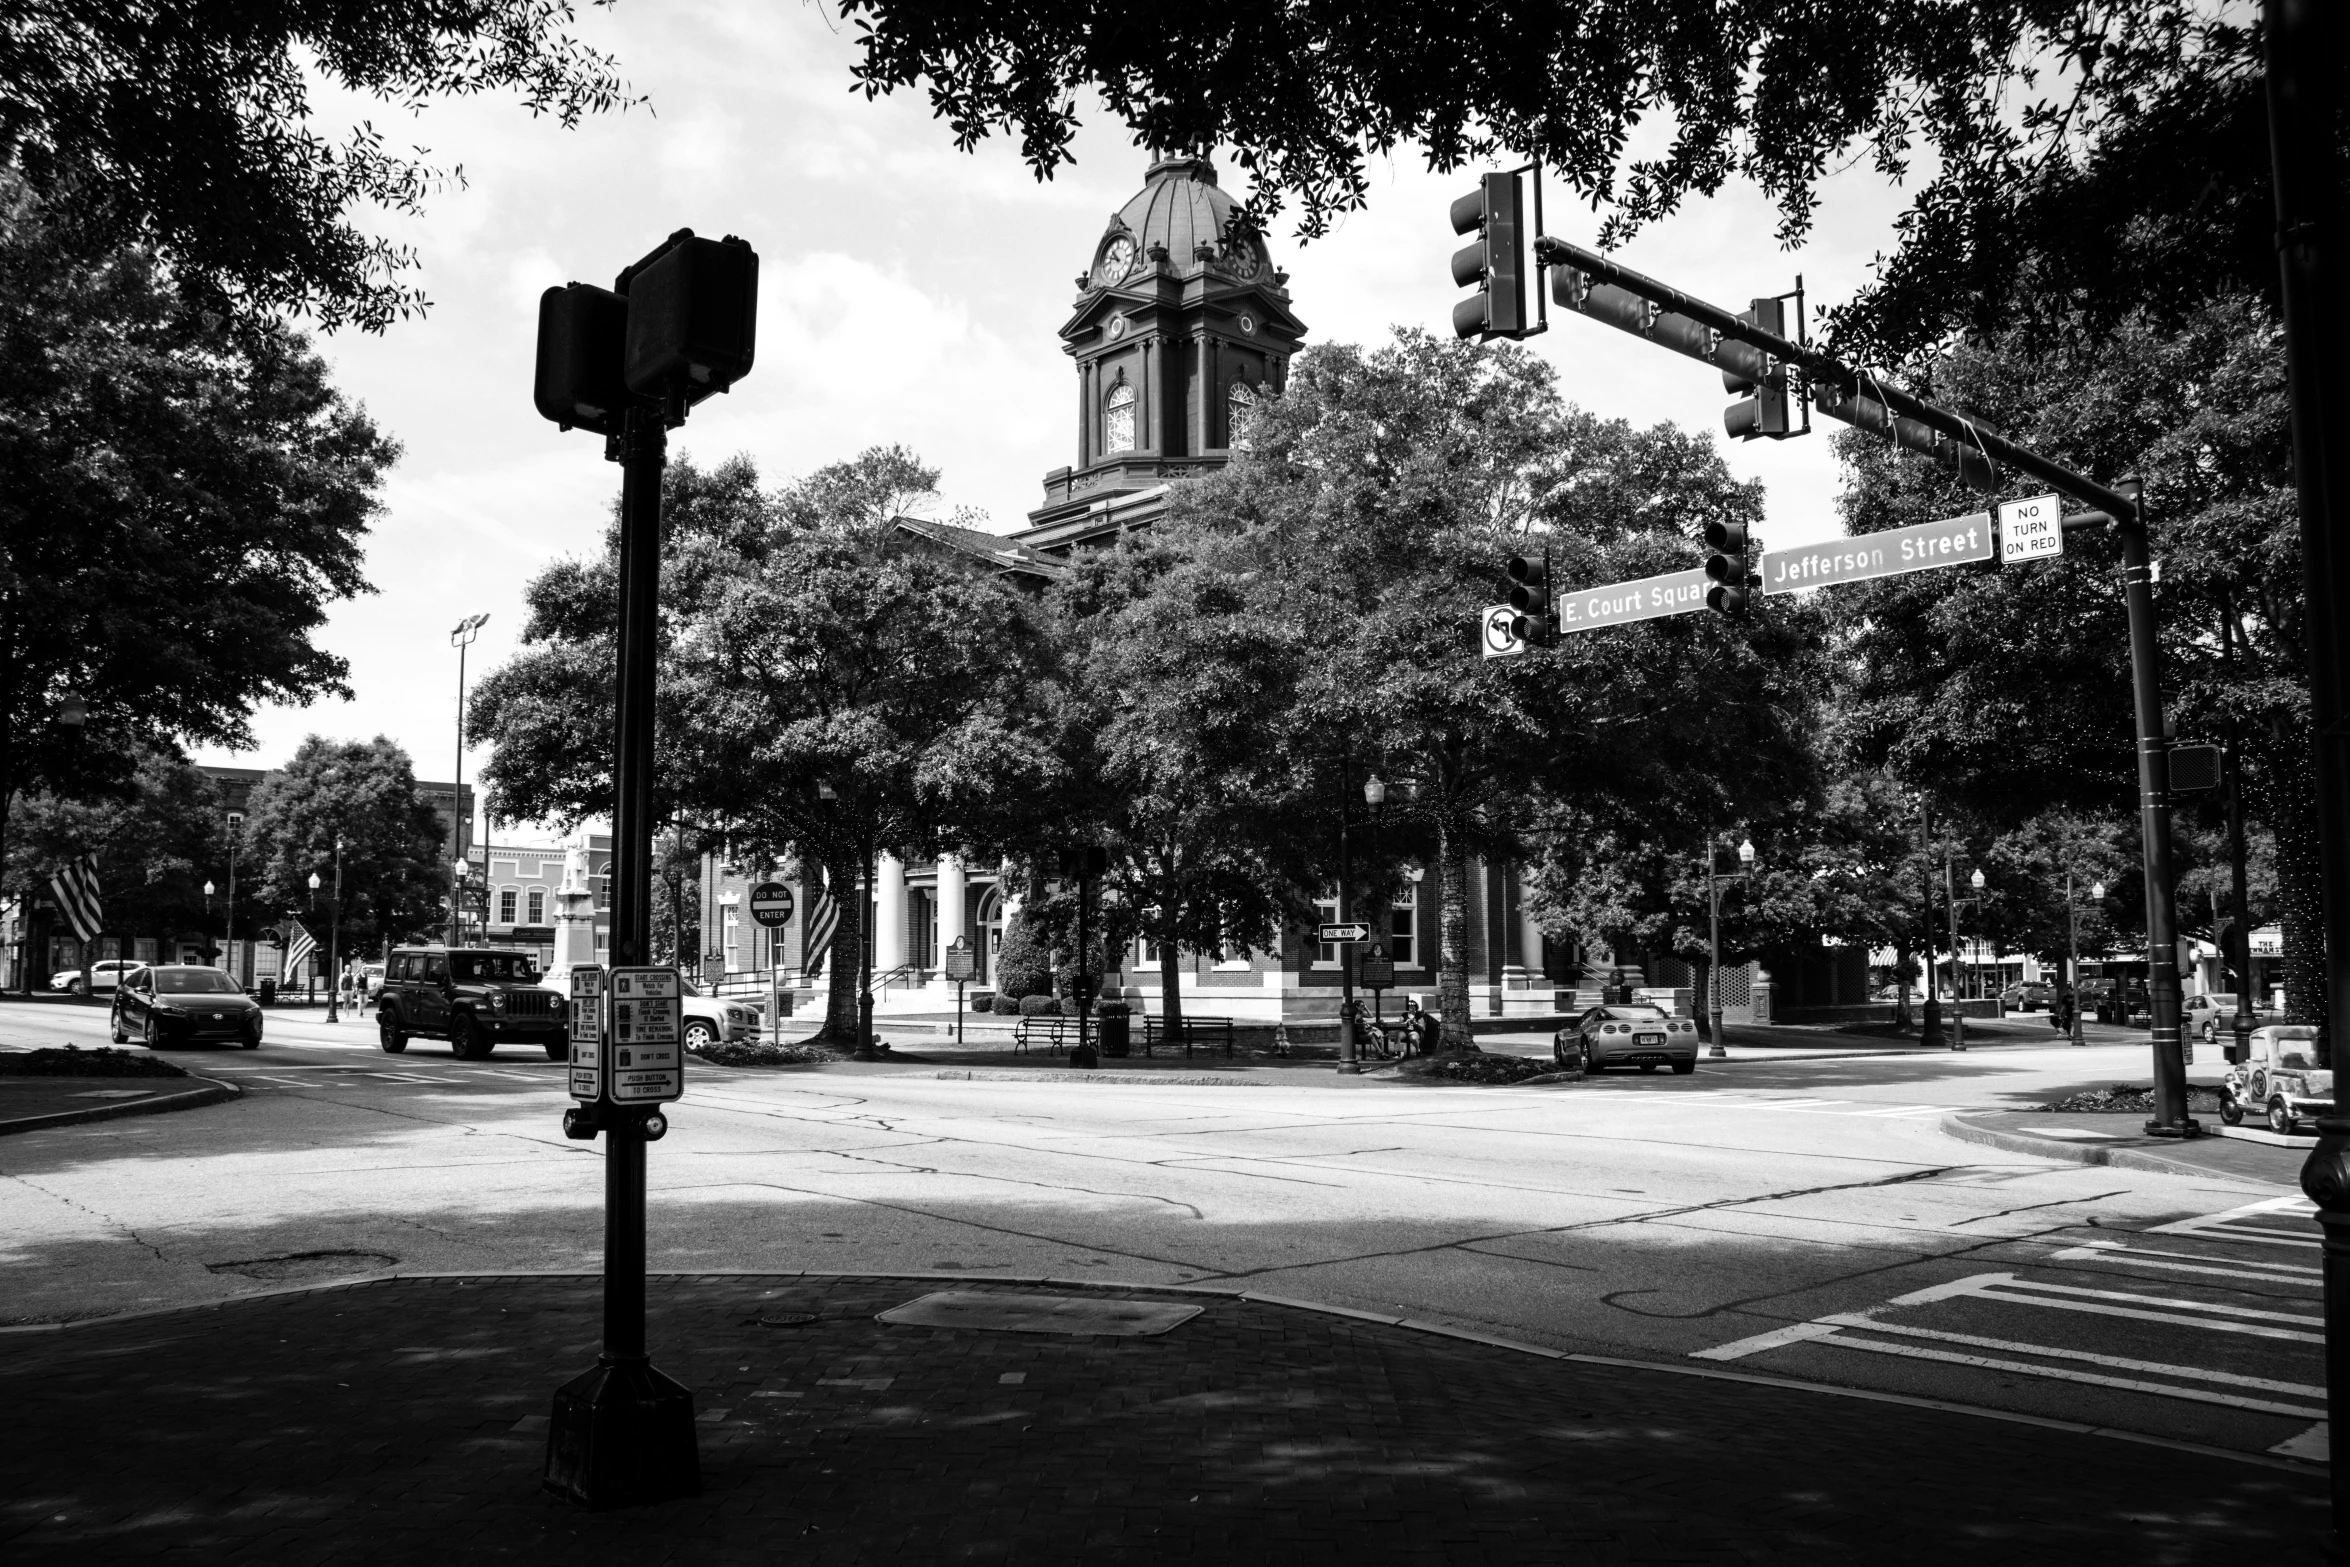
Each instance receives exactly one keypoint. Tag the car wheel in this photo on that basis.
(468, 1040)
(1684, 1068)
(2280, 1119)
(389, 1033)
(1558, 1052)
(1591, 1066)
(151, 1036)
(122, 1035)
(559, 1048)
(251, 1041)
(699, 1035)
(2211, 1032)
(2231, 1112)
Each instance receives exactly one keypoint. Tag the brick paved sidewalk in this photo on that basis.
(404, 1422)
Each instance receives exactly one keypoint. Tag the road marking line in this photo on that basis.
(1739, 1349)
(1795, 1104)
(2118, 1362)
(2313, 1444)
(2188, 1262)
(2058, 1373)
(2253, 1329)
(2159, 1300)
(2226, 1226)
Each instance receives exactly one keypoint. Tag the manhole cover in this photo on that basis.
(1040, 1314)
(788, 1319)
(303, 1265)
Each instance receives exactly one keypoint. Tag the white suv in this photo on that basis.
(708, 1019)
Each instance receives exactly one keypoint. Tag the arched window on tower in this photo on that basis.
(1118, 425)
(1239, 403)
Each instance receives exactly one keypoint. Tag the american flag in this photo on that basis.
(823, 918)
(76, 888)
(299, 945)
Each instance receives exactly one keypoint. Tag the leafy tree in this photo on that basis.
(363, 792)
(179, 505)
(158, 838)
(804, 647)
(185, 127)
(2009, 687)
(2108, 154)
(1370, 518)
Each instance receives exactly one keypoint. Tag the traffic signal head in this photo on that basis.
(1536, 621)
(1763, 406)
(1729, 567)
(1495, 211)
(582, 335)
(693, 317)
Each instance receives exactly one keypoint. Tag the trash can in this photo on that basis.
(1113, 1031)
(269, 990)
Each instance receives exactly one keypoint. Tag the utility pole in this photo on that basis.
(2238, 952)
(1350, 1062)
(1950, 903)
(2072, 923)
(334, 927)
(1930, 1032)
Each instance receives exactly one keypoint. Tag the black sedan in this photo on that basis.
(1639, 1036)
(181, 1003)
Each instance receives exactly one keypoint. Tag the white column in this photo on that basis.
(1529, 937)
(889, 913)
(951, 919)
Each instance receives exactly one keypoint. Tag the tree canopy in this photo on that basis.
(394, 848)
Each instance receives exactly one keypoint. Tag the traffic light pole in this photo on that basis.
(623, 1434)
(1617, 296)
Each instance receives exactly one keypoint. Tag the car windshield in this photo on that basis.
(1634, 1014)
(478, 967)
(194, 982)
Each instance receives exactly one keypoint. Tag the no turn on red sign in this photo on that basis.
(2030, 529)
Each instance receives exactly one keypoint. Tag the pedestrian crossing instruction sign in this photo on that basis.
(587, 1033)
(644, 1029)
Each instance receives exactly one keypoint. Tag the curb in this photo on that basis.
(1234, 1292)
(981, 1075)
(212, 1092)
(1965, 1131)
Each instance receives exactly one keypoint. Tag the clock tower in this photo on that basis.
(1180, 326)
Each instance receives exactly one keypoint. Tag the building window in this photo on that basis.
(1239, 403)
(1403, 938)
(731, 920)
(538, 906)
(506, 899)
(601, 882)
(1326, 952)
(1118, 426)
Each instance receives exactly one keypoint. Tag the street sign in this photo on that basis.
(644, 1052)
(1620, 603)
(2030, 529)
(587, 1033)
(1500, 640)
(1352, 930)
(771, 904)
(962, 962)
(1376, 973)
(1954, 541)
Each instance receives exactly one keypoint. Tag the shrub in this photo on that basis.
(1038, 1006)
(1023, 967)
(1006, 1006)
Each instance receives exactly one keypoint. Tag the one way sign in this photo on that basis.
(1354, 930)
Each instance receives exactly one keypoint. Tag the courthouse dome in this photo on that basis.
(1181, 218)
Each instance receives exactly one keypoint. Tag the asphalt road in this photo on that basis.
(1797, 1218)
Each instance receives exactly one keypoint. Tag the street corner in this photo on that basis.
(2120, 1139)
(56, 1087)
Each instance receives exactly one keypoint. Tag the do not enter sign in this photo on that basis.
(771, 903)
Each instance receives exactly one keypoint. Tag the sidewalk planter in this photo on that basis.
(1113, 1018)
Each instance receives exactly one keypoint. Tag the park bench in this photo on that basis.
(1055, 1032)
(1203, 1031)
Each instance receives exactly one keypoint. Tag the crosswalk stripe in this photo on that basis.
(2188, 1262)
(2118, 1362)
(2059, 1373)
(2012, 1282)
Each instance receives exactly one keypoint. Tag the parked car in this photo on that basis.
(99, 977)
(373, 974)
(472, 997)
(2280, 1081)
(2029, 995)
(2207, 1017)
(1641, 1036)
(708, 1019)
(182, 1003)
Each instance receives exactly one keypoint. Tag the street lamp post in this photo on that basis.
(1951, 900)
(1713, 898)
(460, 639)
(1930, 1029)
(334, 925)
(236, 828)
(208, 913)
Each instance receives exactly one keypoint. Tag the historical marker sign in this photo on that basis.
(2030, 529)
(1620, 603)
(644, 1050)
(1376, 973)
(1954, 541)
(962, 962)
(1500, 641)
(771, 904)
(587, 1033)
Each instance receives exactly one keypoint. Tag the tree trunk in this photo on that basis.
(1452, 921)
(1901, 1013)
(1171, 984)
(2292, 811)
(847, 891)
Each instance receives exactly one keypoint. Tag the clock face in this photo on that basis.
(1117, 259)
(1116, 328)
(1248, 324)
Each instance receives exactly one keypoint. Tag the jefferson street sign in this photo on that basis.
(2030, 529)
(771, 903)
(1620, 603)
(1352, 930)
(1954, 541)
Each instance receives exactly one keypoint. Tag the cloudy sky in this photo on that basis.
(908, 293)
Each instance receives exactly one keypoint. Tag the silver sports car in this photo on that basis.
(1642, 1036)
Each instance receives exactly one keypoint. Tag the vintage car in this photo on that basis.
(2281, 1081)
